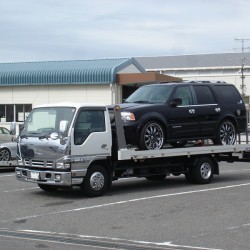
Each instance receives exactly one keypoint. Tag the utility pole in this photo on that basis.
(243, 48)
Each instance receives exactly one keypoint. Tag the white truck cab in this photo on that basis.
(59, 141)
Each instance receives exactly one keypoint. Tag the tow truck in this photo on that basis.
(65, 145)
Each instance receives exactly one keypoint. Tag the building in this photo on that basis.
(107, 81)
(229, 67)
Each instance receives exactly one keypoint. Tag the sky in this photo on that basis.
(52, 30)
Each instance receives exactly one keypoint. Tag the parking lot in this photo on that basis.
(134, 214)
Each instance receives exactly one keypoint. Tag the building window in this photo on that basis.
(2, 113)
(14, 112)
(9, 113)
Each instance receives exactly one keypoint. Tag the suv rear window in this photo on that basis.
(228, 94)
(204, 95)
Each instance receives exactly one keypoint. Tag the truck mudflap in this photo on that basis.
(63, 179)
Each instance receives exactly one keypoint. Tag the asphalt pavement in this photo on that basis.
(134, 214)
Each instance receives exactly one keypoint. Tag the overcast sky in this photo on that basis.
(32, 30)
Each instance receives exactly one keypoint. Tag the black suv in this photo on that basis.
(174, 113)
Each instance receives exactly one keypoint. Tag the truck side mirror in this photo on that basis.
(13, 128)
(63, 126)
(176, 102)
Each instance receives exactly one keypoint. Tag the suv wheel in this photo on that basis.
(152, 136)
(226, 134)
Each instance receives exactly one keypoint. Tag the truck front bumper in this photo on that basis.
(48, 177)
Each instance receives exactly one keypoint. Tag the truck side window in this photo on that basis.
(87, 122)
(203, 95)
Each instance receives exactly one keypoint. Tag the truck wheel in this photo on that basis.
(96, 181)
(151, 136)
(202, 172)
(47, 188)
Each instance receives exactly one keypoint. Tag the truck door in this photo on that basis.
(91, 134)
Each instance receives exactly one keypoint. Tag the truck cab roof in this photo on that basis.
(71, 104)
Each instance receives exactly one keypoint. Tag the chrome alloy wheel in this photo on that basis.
(97, 181)
(153, 136)
(206, 170)
(227, 133)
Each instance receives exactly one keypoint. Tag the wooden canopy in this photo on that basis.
(136, 79)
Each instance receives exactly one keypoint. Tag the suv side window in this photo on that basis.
(184, 93)
(203, 95)
(229, 94)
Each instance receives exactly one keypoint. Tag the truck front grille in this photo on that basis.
(38, 163)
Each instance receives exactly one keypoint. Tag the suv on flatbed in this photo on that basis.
(174, 113)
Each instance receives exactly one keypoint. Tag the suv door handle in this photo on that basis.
(217, 110)
(191, 111)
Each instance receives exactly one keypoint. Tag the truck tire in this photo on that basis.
(96, 181)
(47, 188)
(201, 172)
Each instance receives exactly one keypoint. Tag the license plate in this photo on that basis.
(34, 175)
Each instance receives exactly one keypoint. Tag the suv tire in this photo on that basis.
(151, 136)
(226, 134)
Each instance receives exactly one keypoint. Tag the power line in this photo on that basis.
(242, 41)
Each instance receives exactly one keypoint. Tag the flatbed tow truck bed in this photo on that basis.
(237, 150)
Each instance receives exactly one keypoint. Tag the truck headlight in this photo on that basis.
(62, 165)
(127, 116)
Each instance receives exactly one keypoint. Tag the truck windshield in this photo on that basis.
(44, 121)
(151, 94)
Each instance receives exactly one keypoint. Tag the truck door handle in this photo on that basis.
(104, 146)
(191, 111)
(217, 110)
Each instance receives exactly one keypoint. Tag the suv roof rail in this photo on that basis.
(193, 81)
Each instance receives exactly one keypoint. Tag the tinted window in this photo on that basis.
(203, 95)
(184, 93)
(228, 94)
(151, 94)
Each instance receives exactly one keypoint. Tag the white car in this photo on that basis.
(8, 148)
(5, 135)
